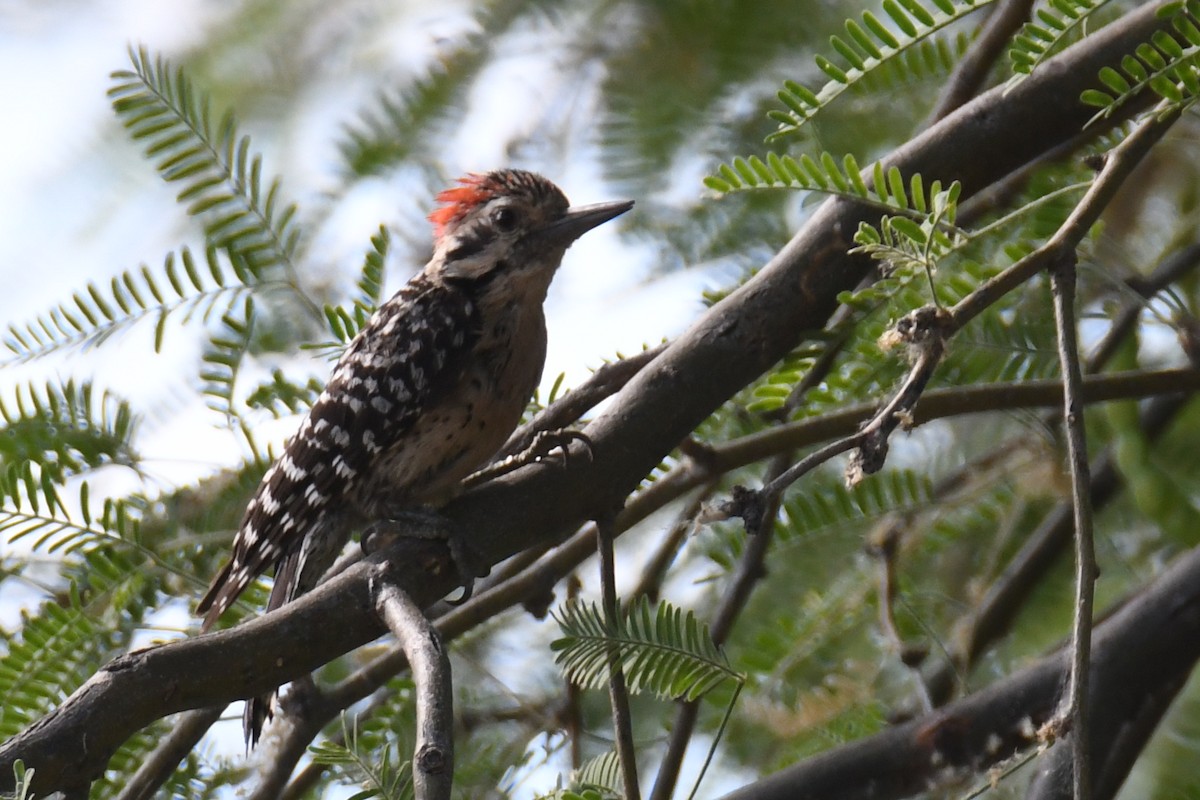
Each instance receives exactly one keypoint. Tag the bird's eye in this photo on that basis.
(505, 219)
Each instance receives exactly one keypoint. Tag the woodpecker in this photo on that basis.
(423, 396)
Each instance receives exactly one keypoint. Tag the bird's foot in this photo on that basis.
(547, 447)
(426, 524)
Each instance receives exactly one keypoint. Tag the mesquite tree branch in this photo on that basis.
(1075, 709)
(433, 754)
(618, 692)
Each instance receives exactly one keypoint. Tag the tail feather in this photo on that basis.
(258, 709)
(255, 716)
(217, 598)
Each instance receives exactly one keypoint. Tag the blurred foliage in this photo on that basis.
(654, 98)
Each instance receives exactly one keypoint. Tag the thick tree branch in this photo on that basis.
(992, 43)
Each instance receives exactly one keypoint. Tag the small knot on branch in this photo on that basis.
(918, 329)
(431, 760)
(869, 458)
(748, 505)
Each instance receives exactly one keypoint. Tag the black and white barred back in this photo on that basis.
(408, 355)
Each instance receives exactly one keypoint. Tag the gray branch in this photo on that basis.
(433, 755)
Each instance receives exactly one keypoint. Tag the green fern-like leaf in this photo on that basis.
(222, 360)
(374, 770)
(345, 322)
(1056, 26)
(829, 505)
(22, 781)
(773, 390)
(1000, 347)
(34, 510)
(885, 189)
(927, 59)
(370, 280)
(65, 430)
(389, 133)
(1168, 65)
(29, 490)
(603, 771)
(581, 793)
(866, 47)
(185, 285)
(221, 179)
(60, 645)
(661, 651)
(395, 129)
(598, 778)
(281, 396)
(905, 244)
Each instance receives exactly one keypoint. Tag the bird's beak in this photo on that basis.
(578, 220)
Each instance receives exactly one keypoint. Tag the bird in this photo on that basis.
(424, 395)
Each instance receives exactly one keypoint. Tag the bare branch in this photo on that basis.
(162, 763)
(618, 693)
(1075, 709)
(433, 755)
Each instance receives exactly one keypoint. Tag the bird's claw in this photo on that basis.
(425, 524)
(547, 447)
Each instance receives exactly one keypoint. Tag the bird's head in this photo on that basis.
(509, 222)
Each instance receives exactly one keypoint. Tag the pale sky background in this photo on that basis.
(78, 203)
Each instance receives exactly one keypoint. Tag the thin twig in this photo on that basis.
(607, 380)
(992, 42)
(870, 440)
(750, 571)
(433, 754)
(617, 691)
(885, 547)
(158, 767)
(1075, 711)
(572, 716)
(1120, 162)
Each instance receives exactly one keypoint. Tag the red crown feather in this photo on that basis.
(475, 189)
